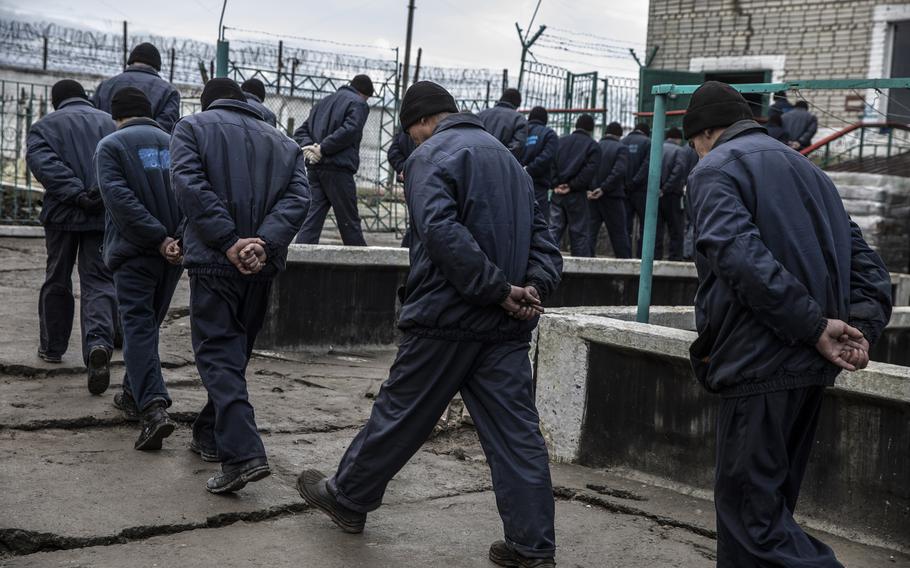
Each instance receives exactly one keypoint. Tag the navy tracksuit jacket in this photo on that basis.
(59, 153)
(266, 112)
(234, 176)
(133, 166)
(576, 164)
(639, 145)
(476, 231)
(507, 125)
(539, 160)
(336, 124)
(801, 125)
(610, 208)
(164, 97)
(777, 254)
(671, 219)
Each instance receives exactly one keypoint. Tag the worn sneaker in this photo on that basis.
(207, 453)
(313, 487)
(124, 402)
(99, 369)
(502, 554)
(156, 426)
(235, 477)
(49, 357)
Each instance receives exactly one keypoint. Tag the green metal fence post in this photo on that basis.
(862, 137)
(647, 248)
(221, 58)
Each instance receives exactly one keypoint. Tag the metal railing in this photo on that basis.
(859, 141)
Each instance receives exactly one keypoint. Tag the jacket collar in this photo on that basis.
(583, 132)
(141, 68)
(610, 137)
(139, 121)
(458, 119)
(233, 104)
(506, 104)
(74, 101)
(252, 97)
(352, 89)
(738, 128)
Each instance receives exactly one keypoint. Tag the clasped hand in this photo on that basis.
(843, 345)
(248, 255)
(522, 303)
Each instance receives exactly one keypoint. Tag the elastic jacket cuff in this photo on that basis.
(228, 242)
(506, 290)
(819, 330)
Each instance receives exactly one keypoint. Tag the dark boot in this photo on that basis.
(502, 554)
(313, 487)
(208, 454)
(235, 477)
(124, 402)
(156, 426)
(49, 357)
(99, 369)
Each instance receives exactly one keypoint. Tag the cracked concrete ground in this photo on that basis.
(75, 493)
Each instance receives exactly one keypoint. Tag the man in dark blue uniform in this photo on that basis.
(607, 199)
(481, 262)
(576, 163)
(142, 70)
(141, 248)
(254, 91)
(801, 125)
(330, 138)
(242, 186)
(674, 169)
(639, 143)
(789, 294)
(539, 157)
(399, 151)
(60, 150)
(505, 123)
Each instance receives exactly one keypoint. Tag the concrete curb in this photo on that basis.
(22, 231)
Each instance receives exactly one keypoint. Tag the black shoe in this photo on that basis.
(502, 554)
(313, 488)
(99, 369)
(124, 402)
(50, 358)
(156, 426)
(206, 453)
(235, 477)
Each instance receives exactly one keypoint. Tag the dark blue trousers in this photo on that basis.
(570, 211)
(637, 203)
(145, 286)
(671, 221)
(333, 189)
(495, 382)
(226, 315)
(763, 445)
(56, 304)
(542, 196)
(612, 212)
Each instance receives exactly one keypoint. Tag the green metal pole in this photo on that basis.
(221, 58)
(647, 248)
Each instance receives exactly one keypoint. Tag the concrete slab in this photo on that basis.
(453, 532)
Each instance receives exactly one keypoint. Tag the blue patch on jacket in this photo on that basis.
(155, 159)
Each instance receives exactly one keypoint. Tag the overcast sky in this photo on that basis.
(464, 33)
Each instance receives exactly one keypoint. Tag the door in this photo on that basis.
(899, 99)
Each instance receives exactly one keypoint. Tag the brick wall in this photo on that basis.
(820, 39)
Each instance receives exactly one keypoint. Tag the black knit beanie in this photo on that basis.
(714, 105)
(145, 53)
(130, 102)
(66, 89)
(539, 114)
(254, 87)
(511, 96)
(675, 133)
(363, 84)
(643, 128)
(614, 128)
(585, 122)
(220, 88)
(424, 98)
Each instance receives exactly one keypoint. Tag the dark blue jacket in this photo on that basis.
(639, 160)
(400, 150)
(336, 124)
(779, 133)
(673, 169)
(134, 177)
(613, 172)
(164, 97)
(780, 107)
(776, 255)
(475, 230)
(266, 112)
(507, 125)
(577, 161)
(540, 151)
(801, 125)
(235, 176)
(59, 153)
